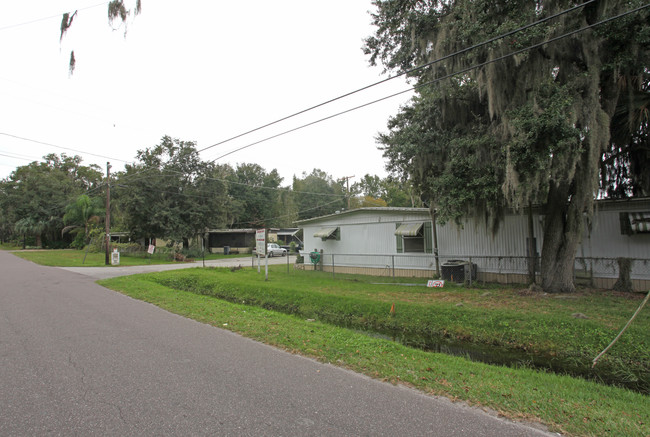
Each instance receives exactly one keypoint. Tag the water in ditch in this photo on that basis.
(605, 373)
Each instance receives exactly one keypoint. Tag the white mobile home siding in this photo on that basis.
(367, 239)
(476, 238)
(605, 239)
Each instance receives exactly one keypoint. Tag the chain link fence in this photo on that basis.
(589, 272)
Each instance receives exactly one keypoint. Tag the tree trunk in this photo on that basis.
(561, 240)
(624, 282)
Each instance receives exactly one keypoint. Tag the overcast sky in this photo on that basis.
(198, 71)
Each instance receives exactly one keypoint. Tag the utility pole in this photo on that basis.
(347, 187)
(435, 241)
(532, 247)
(108, 213)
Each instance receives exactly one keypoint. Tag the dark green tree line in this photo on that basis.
(317, 193)
(34, 197)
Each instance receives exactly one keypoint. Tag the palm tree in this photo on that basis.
(81, 215)
(28, 225)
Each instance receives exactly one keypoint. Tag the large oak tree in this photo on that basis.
(539, 126)
(170, 193)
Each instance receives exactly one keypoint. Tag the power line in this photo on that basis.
(337, 98)
(407, 72)
(285, 189)
(445, 77)
(15, 156)
(286, 215)
(436, 80)
(60, 147)
(11, 26)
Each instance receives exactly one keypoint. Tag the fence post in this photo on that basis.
(471, 271)
(392, 257)
(288, 262)
(333, 275)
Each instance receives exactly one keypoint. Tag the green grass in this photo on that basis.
(74, 258)
(570, 405)
(536, 329)
(9, 246)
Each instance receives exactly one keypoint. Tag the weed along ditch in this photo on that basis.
(606, 373)
(493, 324)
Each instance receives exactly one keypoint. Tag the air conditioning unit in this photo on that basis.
(456, 270)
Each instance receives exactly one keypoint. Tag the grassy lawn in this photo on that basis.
(75, 258)
(9, 246)
(312, 314)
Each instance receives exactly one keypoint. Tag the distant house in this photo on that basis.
(286, 236)
(235, 240)
(120, 237)
(243, 240)
(400, 242)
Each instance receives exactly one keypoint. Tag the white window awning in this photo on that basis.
(639, 222)
(325, 232)
(409, 229)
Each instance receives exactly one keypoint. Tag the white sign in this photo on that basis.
(435, 283)
(151, 249)
(260, 241)
(115, 258)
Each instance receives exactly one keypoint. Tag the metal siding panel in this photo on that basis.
(606, 240)
(373, 233)
(476, 239)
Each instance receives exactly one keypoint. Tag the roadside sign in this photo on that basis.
(115, 258)
(151, 249)
(260, 242)
(435, 283)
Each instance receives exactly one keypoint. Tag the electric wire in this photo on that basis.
(61, 147)
(11, 26)
(284, 189)
(448, 76)
(514, 31)
(22, 157)
(384, 98)
(286, 215)
(404, 73)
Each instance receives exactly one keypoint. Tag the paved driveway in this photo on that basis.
(114, 271)
(77, 359)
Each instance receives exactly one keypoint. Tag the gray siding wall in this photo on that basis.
(475, 237)
(367, 239)
(364, 235)
(605, 239)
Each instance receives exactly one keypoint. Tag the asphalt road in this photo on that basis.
(77, 359)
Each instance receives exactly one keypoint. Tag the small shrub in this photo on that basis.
(193, 252)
